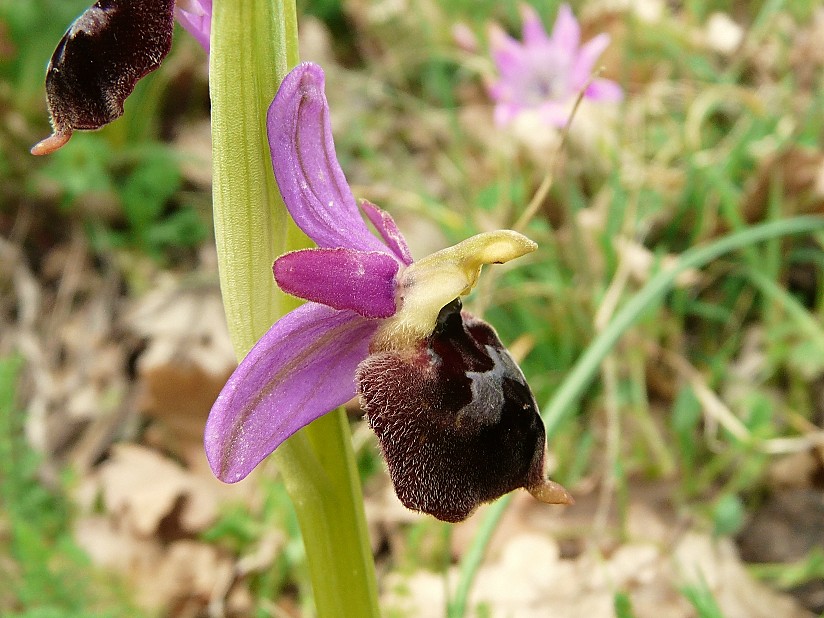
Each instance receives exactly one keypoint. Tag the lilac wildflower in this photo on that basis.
(454, 416)
(545, 73)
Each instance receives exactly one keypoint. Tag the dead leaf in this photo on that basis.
(187, 360)
(799, 174)
(141, 488)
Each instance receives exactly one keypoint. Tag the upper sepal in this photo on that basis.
(307, 171)
(455, 418)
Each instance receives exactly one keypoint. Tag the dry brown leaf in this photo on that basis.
(799, 173)
(179, 398)
(641, 262)
(714, 563)
(192, 572)
(181, 579)
(183, 326)
(796, 470)
(187, 359)
(141, 488)
(528, 573)
(807, 53)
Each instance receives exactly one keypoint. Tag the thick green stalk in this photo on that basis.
(254, 43)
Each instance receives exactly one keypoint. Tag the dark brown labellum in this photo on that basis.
(98, 62)
(457, 422)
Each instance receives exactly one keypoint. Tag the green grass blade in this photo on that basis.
(585, 369)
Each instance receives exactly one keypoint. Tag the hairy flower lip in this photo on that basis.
(456, 420)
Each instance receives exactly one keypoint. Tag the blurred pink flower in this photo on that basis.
(545, 72)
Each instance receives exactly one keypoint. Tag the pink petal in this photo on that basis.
(587, 56)
(506, 113)
(566, 33)
(533, 28)
(362, 281)
(311, 181)
(507, 53)
(388, 230)
(604, 90)
(196, 17)
(298, 371)
(554, 113)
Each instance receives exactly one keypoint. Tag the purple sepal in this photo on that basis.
(362, 281)
(298, 371)
(196, 18)
(388, 230)
(507, 53)
(306, 168)
(533, 32)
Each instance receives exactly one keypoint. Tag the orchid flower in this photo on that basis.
(103, 55)
(455, 418)
(546, 73)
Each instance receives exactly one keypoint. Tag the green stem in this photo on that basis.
(572, 388)
(321, 476)
(254, 44)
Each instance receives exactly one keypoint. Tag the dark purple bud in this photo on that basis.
(98, 62)
(456, 420)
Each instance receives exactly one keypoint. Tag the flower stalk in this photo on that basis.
(253, 44)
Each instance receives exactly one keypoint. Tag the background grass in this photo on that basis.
(705, 145)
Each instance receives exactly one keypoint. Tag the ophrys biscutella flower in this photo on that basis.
(102, 56)
(453, 413)
(545, 73)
